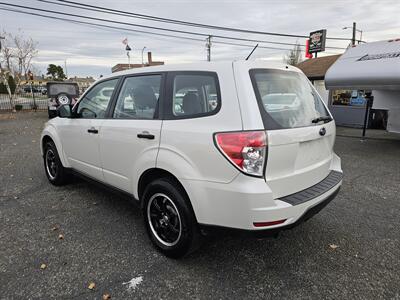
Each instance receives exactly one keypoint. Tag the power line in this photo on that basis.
(145, 17)
(174, 21)
(135, 30)
(150, 27)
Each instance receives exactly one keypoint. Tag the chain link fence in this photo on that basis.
(28, 97)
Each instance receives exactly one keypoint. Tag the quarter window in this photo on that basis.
(95, 102)
(139, 98)
(195, 95)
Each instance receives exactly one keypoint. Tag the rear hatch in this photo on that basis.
(300, 130)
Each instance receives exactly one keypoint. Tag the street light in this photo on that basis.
(358, 30)
(142, 55)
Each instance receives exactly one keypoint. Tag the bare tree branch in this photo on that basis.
(294, 56)
(16, 56)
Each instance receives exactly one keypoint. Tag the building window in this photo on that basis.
(354, 98)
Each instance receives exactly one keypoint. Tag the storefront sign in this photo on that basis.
(317, 41)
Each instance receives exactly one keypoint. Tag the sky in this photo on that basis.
(92, 51)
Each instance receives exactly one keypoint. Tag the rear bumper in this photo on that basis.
(247, 200)
(312, 211)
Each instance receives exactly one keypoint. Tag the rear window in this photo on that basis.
(286, 99)
(65, 88)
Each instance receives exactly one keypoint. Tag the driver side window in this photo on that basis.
(95, 103)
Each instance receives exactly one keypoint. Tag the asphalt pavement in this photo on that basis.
(56, 241)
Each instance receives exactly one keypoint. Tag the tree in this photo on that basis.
(11, 84)
(294, 56)
(16, 59)
(56, 72)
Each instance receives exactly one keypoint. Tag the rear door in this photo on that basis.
(130, 138)
(300, 130)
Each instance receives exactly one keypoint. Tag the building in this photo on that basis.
(83, 82)
(343, 80)
(346, 105)
(315, 69)
(373, 67)
(150, 62)
(37, 80)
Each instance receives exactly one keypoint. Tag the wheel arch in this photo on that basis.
(156, 173)
(49, 134)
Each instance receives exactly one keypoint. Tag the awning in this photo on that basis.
(369, 66)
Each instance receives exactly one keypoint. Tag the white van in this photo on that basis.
(244, 145)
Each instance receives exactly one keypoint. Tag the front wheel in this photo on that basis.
(169, 218)
(55, 171)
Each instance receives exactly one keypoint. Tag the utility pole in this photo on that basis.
(142, 56)
(353, 39)
(1, 38)
(65, 67)
(208, 46)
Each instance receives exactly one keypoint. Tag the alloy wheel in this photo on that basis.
(164, 219)
(51, 164)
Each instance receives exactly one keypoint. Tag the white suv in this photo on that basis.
(240, 145)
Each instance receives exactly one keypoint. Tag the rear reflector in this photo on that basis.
(271, 223)
(246, 150)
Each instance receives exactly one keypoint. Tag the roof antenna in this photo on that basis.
(254, 49)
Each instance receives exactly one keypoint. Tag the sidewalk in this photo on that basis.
(369, 134)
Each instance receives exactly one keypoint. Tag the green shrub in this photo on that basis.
(18, 107)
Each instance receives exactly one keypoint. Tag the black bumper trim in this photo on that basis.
(314, 191)
(312, 211)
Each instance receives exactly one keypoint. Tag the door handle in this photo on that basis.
(145, 135)
(93, 130)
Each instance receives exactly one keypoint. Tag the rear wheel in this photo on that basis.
(169, 218)
(55, 171)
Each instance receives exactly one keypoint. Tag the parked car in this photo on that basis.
(29, 89)
(60, 93)
(42, 90)
(240, 164)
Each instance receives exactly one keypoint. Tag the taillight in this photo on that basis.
(246, 150)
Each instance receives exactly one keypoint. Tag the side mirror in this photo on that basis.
(87, 113)
(65, 111)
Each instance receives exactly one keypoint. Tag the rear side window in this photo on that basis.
(138, 98)
(286, 99)
(192, 94)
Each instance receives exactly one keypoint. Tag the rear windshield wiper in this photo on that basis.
(326, 119)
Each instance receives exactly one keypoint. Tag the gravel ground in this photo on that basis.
(104, 240)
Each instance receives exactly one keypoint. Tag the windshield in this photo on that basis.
(286, 99)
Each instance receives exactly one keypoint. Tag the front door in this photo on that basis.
(129, 140)
(80, 135)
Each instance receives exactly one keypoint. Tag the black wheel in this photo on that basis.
(169, 218)
(55, 171)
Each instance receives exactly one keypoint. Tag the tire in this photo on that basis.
(55, 171)
(172, 228)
